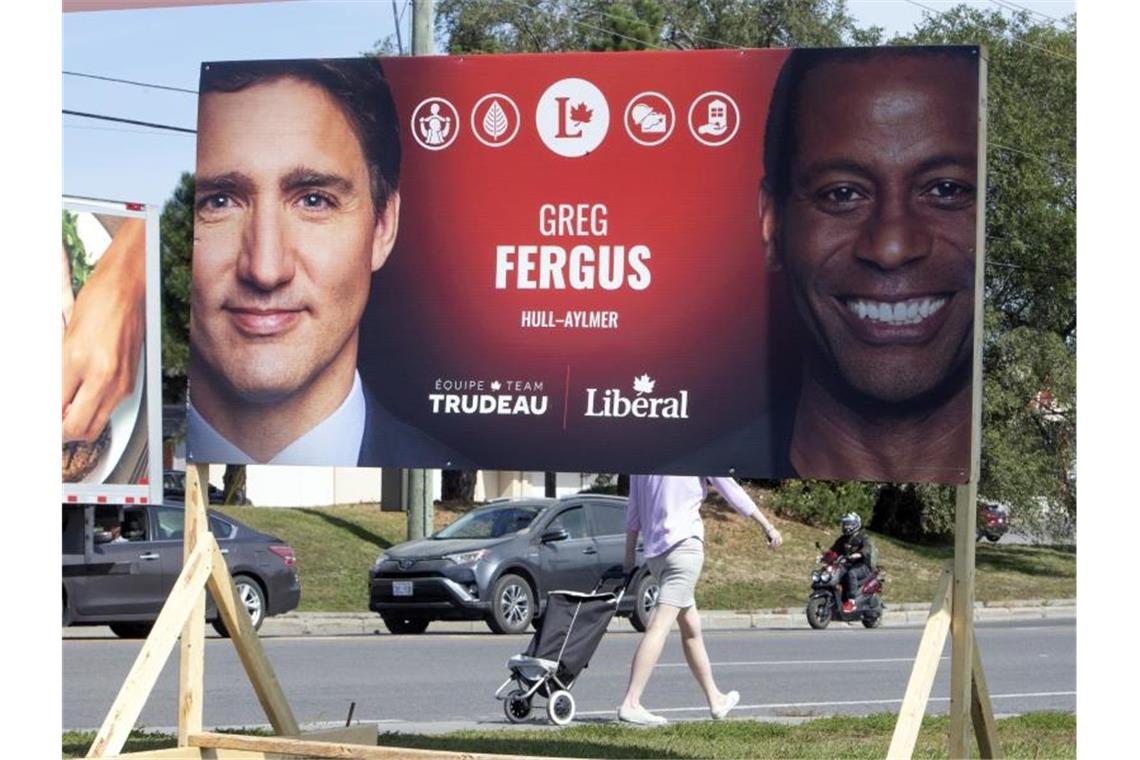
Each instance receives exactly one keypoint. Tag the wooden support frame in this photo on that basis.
(183, 615)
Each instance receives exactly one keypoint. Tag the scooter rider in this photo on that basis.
(855, 548)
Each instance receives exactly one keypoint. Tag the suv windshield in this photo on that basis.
(490, 523)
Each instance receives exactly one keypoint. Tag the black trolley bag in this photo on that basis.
(572, 627)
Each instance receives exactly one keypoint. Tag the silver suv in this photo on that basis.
(498, 562)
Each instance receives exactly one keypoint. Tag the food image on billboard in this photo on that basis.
(111, 410)
(752, 262)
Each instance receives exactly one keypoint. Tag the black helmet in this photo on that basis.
(850, 523)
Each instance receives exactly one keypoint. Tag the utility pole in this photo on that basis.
(420, 512)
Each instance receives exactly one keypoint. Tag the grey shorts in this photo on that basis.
(677, 571)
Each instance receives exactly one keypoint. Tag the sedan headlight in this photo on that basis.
(466, 558)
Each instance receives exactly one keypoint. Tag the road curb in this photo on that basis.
(910, 613)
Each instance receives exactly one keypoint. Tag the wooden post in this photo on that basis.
(925, 668)
(966, 496)
(192, 661)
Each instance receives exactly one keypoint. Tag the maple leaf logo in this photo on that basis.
(643, 384)
(580, 114)
(496, 385)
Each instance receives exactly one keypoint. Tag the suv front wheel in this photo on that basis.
(512, 605)
(645, 599)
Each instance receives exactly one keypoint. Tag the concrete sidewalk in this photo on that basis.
(369, 623)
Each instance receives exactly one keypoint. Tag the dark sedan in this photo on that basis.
(498, 562)
(174, 489)
(132, 565)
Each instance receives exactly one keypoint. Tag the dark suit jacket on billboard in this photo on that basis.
(390, 442)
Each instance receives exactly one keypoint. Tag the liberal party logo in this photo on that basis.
(643, 405)
(572, 117)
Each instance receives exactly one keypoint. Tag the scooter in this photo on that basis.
(826, 601)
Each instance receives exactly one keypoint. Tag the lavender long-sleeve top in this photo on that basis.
(665, 509)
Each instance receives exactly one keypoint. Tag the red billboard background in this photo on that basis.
(437, 315)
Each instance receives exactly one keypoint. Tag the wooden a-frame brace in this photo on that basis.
(203, 568)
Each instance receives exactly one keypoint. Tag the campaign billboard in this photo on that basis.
(756, 262)
(112, 388)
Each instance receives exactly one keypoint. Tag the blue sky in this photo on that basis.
(165, 46)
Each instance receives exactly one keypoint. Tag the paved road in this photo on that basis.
(444, 681)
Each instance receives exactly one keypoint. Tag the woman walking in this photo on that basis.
(664, 510)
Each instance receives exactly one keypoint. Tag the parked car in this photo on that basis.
(126, 578)
(498, 562)
(174, 489)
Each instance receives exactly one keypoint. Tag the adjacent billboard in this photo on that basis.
(112, 406)
(756, 262)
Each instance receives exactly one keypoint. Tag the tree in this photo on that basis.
(176, 230)
(1029, 413)
(502, 26)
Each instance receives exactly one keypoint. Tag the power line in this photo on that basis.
(89, 128)
(129, 121)
(1045, 50)
(518, 4)
(1015, 6)
(129, 81)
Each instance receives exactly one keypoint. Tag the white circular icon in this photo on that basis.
(572, 117)
(649, 118)
(497, 122)
(714, 118)
(435, 123)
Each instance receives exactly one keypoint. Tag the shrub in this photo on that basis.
(820, 502)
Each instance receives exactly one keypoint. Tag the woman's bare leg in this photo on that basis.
(648, 651)
(696, 655)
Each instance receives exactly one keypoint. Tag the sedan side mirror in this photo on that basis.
(555, 535)
(103, 537)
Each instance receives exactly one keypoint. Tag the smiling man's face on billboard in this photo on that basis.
(878, 231)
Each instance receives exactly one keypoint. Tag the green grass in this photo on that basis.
(337, 545)
(1034, 735)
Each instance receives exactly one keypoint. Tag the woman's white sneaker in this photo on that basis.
(640, 716)
(731, 699)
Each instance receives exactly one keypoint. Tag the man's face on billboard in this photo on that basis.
(878, 231)
(286, 239)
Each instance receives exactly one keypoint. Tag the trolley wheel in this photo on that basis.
(560, 708)
(516, 706)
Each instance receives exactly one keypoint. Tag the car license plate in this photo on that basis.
(401, 588)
